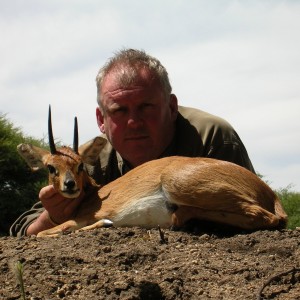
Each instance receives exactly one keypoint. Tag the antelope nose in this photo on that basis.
(69, 183)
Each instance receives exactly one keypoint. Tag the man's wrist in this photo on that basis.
(51, 221)
(43, 222)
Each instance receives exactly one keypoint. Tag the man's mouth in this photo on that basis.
(139, 137)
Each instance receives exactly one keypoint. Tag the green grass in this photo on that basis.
(291, 204)
(19, 273)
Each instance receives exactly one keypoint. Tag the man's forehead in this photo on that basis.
(141, 85)
(126, 76)
(134, 95)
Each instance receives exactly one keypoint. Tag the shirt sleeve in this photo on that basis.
(232, 152)
(19, 227)
(205, 135)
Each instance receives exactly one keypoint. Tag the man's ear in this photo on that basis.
(173, 104)
(34, 156)
(100, 120)
(90, 151)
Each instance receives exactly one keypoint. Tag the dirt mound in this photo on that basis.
(133, 263)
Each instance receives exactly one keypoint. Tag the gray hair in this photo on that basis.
(128, 62)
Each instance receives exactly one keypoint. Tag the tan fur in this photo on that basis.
(174, 190)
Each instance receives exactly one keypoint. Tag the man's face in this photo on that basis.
(138, 119)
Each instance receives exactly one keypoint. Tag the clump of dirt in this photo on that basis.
(133, 263)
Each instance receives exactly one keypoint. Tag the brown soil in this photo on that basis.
(133, 263)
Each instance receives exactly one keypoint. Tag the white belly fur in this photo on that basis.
(147, 212)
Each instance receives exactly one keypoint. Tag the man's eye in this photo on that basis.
(51, 169)
(148, 107)
(118, 111)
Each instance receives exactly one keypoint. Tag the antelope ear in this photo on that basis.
(34, 156)
(90, 151)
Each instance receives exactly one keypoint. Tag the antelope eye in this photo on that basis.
(80, 168)
(51, 169)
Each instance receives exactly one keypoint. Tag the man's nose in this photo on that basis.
(135, 119)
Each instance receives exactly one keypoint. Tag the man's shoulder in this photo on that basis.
(204, 121)
(200, 131)
(218, 138)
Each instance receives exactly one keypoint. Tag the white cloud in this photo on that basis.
(236, 59)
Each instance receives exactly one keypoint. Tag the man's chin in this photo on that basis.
(137, 140)
(139, 147)
(139, 159)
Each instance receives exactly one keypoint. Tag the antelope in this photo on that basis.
(166, 192)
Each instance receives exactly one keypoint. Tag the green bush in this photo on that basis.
(19, 186)
(291, 203)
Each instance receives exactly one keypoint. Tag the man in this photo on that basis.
(140, 117)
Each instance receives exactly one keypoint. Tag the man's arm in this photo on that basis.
(53, 209)
(233, 152)
(19, 227)
(202, 134)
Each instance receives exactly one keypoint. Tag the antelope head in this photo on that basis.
(65, 164)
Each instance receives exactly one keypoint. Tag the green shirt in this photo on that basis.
(197, 134)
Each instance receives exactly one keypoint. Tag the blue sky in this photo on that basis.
(235, 59)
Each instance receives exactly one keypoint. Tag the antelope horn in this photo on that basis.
(50, 133)
(75, 140)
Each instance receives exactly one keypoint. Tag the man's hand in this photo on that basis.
(58, 209)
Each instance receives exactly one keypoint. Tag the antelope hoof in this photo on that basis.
(107, 223)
